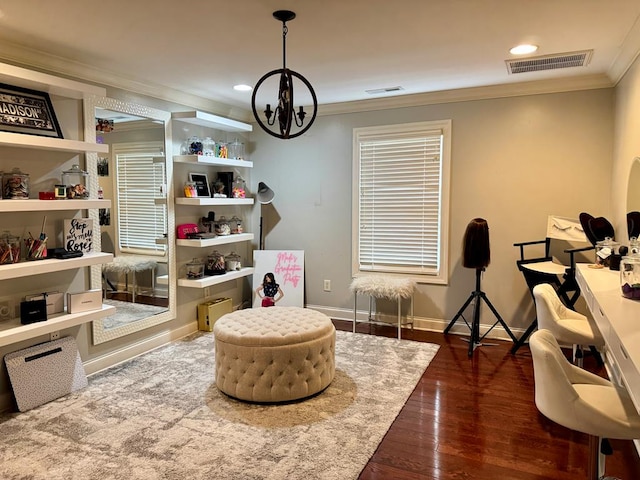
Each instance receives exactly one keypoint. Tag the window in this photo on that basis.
(400, 200)
(140, 184)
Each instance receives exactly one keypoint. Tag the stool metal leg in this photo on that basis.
(355, 310)
(399, 317)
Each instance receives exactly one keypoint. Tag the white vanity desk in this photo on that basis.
(618, 319)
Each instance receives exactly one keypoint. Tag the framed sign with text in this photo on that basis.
(27, 111)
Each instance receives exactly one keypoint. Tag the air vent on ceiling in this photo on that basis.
(549, 62)
(378, 91)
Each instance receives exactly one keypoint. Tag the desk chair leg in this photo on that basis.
(523, 339)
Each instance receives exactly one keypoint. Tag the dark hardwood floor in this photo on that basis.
(475, 419)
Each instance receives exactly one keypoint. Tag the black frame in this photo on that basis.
(202, 184)
(38, 119)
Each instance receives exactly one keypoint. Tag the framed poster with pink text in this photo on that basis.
(278, 275)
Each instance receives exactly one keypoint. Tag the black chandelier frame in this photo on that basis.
(284, 112)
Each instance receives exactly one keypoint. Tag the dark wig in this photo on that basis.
(475, 246)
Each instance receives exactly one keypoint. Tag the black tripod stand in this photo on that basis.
(477, 295)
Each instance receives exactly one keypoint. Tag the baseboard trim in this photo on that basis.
(130, 351)
(420, 323)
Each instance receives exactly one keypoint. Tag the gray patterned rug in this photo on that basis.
(160, 416)
(127, 312)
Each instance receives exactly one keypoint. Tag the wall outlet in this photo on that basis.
(54, 336)
(207, 291)
(327, 285)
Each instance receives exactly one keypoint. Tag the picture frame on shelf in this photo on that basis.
(27, 111)
(202, 184)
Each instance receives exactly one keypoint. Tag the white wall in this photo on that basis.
(514, 162)
(626, 142)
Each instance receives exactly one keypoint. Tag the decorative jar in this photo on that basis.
(236, 150)
(236, 225)
(15, 185)
(215, 264)
(208, 147)
(233, 262)
(239, 188)
(222, 226)
(76, 180)
(9, 248)
(630, 276)
(194, 145)
(604, 249)
(195, 269)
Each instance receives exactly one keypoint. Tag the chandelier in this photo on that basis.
(284, 114)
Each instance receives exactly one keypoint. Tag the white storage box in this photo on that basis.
(45, 372)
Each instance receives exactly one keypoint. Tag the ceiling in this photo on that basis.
(343, 47)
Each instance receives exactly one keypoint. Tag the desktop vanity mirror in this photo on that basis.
(633, 190)
(138, 228)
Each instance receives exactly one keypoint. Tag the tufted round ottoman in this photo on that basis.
(274, 354)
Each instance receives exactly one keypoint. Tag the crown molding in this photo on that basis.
(29, 58)
(629, 52)
(583, 82)
(37, 60)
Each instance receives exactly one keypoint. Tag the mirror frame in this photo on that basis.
(633, 175)
(100, 334)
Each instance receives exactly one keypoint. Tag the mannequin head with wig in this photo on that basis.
(475, 245)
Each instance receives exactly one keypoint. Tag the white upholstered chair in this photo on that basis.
(580, 400)
(567, 326)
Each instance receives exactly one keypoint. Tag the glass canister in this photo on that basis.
(630, 276)
(604, 249)
(239, 188)
(15, 185)
(76, 181)
(195, 269)
(215, 264)
(208, 147)
(236, 150)
(194, 145)
(233, 262)
(222, 226)
(222, 150)
(236, 225)
(9, 248)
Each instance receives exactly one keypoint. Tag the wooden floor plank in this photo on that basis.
(475, 419)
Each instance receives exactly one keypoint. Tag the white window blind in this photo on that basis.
(139, 181)
(400, 198)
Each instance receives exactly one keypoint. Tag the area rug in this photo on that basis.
(160, 416)
(127, 312)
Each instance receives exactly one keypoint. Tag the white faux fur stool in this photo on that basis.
(274, 354)
(127, 264)
(377, 286)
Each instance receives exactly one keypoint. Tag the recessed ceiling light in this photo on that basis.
(242, 88)
(523, 49)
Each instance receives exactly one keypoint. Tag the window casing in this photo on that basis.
(139, 190)
(401, 200)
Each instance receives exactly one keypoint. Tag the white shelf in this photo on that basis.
(209, 120)
(35, 205)
(48, 265)
(212, 242)
(13, 331)
(35, 142)
(213, 201)
(215, 279)
(213, 161)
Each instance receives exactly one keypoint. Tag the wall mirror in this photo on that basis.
(138, 228)
(633, 188)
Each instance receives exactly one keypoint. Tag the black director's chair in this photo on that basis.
(545, 269)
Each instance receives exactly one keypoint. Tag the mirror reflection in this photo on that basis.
(133, 175)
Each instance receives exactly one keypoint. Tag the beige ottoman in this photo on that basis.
(274, 354)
